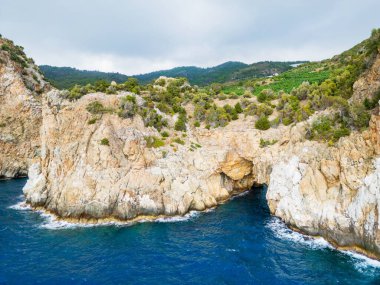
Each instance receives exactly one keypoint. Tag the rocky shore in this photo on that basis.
(89, 168)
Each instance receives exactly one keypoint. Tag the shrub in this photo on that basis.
(359, 116)
(369, 104)
(262, 97)
(238, 108)
(96, 107)
(287, 121)
(328, 129)
(262, 123)
(92, 121)
(179, 141)
(128, 107)
(105, 141)
(197, 124)
(265, 143)
(160, 82)
(165, 134)
(152, 141)
(180, 124)
(217, 117)
(321, 127)
(341, 132)
(152, 119)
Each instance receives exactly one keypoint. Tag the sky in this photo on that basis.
(139, 36)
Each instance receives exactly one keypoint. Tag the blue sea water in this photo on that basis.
(236, 243)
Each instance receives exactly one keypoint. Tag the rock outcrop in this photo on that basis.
(321, 190)
(94, 167)
(21, 91)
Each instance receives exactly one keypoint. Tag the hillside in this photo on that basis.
(67, 77)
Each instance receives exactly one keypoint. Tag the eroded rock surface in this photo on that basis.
(321, 190)
(21, 92)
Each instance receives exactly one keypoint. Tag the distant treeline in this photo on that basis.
(67, 77)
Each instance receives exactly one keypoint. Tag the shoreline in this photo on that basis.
(112, 221)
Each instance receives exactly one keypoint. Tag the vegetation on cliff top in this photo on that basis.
(288, 98)
(30, 74)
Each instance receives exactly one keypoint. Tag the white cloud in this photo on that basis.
(135, 36)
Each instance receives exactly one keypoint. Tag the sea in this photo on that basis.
(238, 242)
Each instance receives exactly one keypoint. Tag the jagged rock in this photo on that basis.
(20, 116)
(312, 187)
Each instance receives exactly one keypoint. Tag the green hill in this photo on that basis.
(67, 77)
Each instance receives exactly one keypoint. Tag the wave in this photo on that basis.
(280, 230)
(363, 263)
(52, 222)
(21, 205)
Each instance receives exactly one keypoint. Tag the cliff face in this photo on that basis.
(95, 167)
(321, 190)
(337, 195)
(21, 91)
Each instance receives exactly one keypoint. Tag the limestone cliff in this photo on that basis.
(21, 88)
(321, 190)
(90, 167)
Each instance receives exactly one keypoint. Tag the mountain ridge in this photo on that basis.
(67, 77)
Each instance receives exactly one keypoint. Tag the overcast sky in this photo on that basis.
(138, 36)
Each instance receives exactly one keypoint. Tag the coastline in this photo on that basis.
(64, 223)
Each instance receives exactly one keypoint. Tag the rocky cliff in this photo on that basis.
(21, 89)
(332, 191)
(91, 167)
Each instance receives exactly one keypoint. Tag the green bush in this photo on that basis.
(287, 121)
(152, 141)
(152, 119)
(128, 107)
(104, 141)
(262, 123)
(92, 121)
(341, 132)
(328, 129)
(165, 134)
(197, 124)
(238, 108)
(180, 124)
(179, 141)
(359, 116)
(369, 104)
(96, 107)
(265, 143)
(262, 97)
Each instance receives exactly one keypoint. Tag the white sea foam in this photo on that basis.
(174, 219)
(231, 249)
(281, 231)
(20, 206)
(361, 262)
(52, 223)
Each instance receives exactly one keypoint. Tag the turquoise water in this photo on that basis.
(237, 243)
